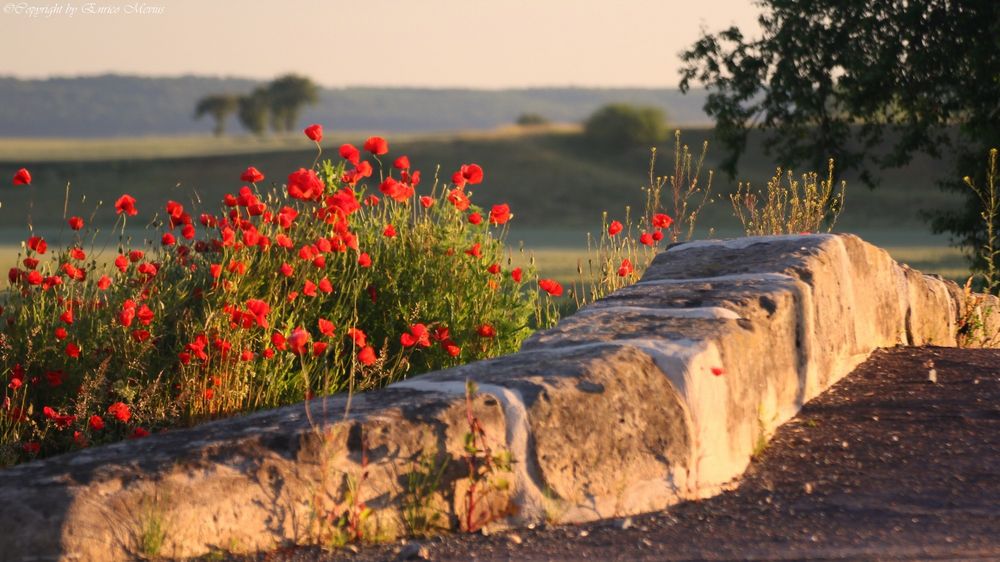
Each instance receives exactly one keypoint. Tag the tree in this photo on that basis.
(286, 96)
(531, 120)
(220, 107)
(253, 111)
(621, 125)
(846, 78)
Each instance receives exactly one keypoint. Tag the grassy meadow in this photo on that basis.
(557, 186)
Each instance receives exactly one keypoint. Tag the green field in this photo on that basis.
(557, 185)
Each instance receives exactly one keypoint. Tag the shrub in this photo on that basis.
(989, 201)
(623, 251)
(791, 207)
(531, 120)
(315, 287)
(622, 126)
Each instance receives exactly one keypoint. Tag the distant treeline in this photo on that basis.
(114, 105)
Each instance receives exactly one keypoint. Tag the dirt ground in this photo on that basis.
(885, 465)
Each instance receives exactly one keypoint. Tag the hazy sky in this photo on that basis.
(438, 43)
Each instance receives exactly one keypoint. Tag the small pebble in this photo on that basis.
(414, 551)
(808, 487)
(647, 542)
(625, 524)
(584, 533)
(515, 538)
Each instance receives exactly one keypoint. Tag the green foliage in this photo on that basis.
(834, 78)
(420, 514)
(621, 126)
(256, 309)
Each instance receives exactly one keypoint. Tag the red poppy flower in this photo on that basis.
(367, 355)
(364, 260)
(515, 274)
(486, 331)
(309, 289)
(389, 232)
(325, 285)
(475, 218)
(298, 341)
(120, 411)
(551, 287)
(625, 268)
(72, 350)
(451, 348)
(359, 337)
(251, 175)
(376, 145)
(500, 214)
(278, 341)
(646, 239)
(661, 220)
(350, 153)
(319, 348)
(22, 177)
(314, 132)
(657, 235)
(426, 201)
(458, 198)
(37, 245)
(395, 190)
(326, 327)
(614, 228)
(305, 185)
(168, 239)
(139, 433)
(127, 313)
(67, 316)
(475, 251)
(96, 422)
(418, 335)
(76, 223)
(126, 204)
(104, 282)
(259, 309)
(401, 163)
(61, 333)
(468, 174)
(494, 268)
(141, 336)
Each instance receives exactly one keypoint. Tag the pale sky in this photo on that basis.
(431, 43)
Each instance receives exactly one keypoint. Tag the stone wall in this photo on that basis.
(658, 393)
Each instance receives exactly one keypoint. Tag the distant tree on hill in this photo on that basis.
(286, 96)
(253, 111)
(219, 107)
(531, 119)
(622, 125)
